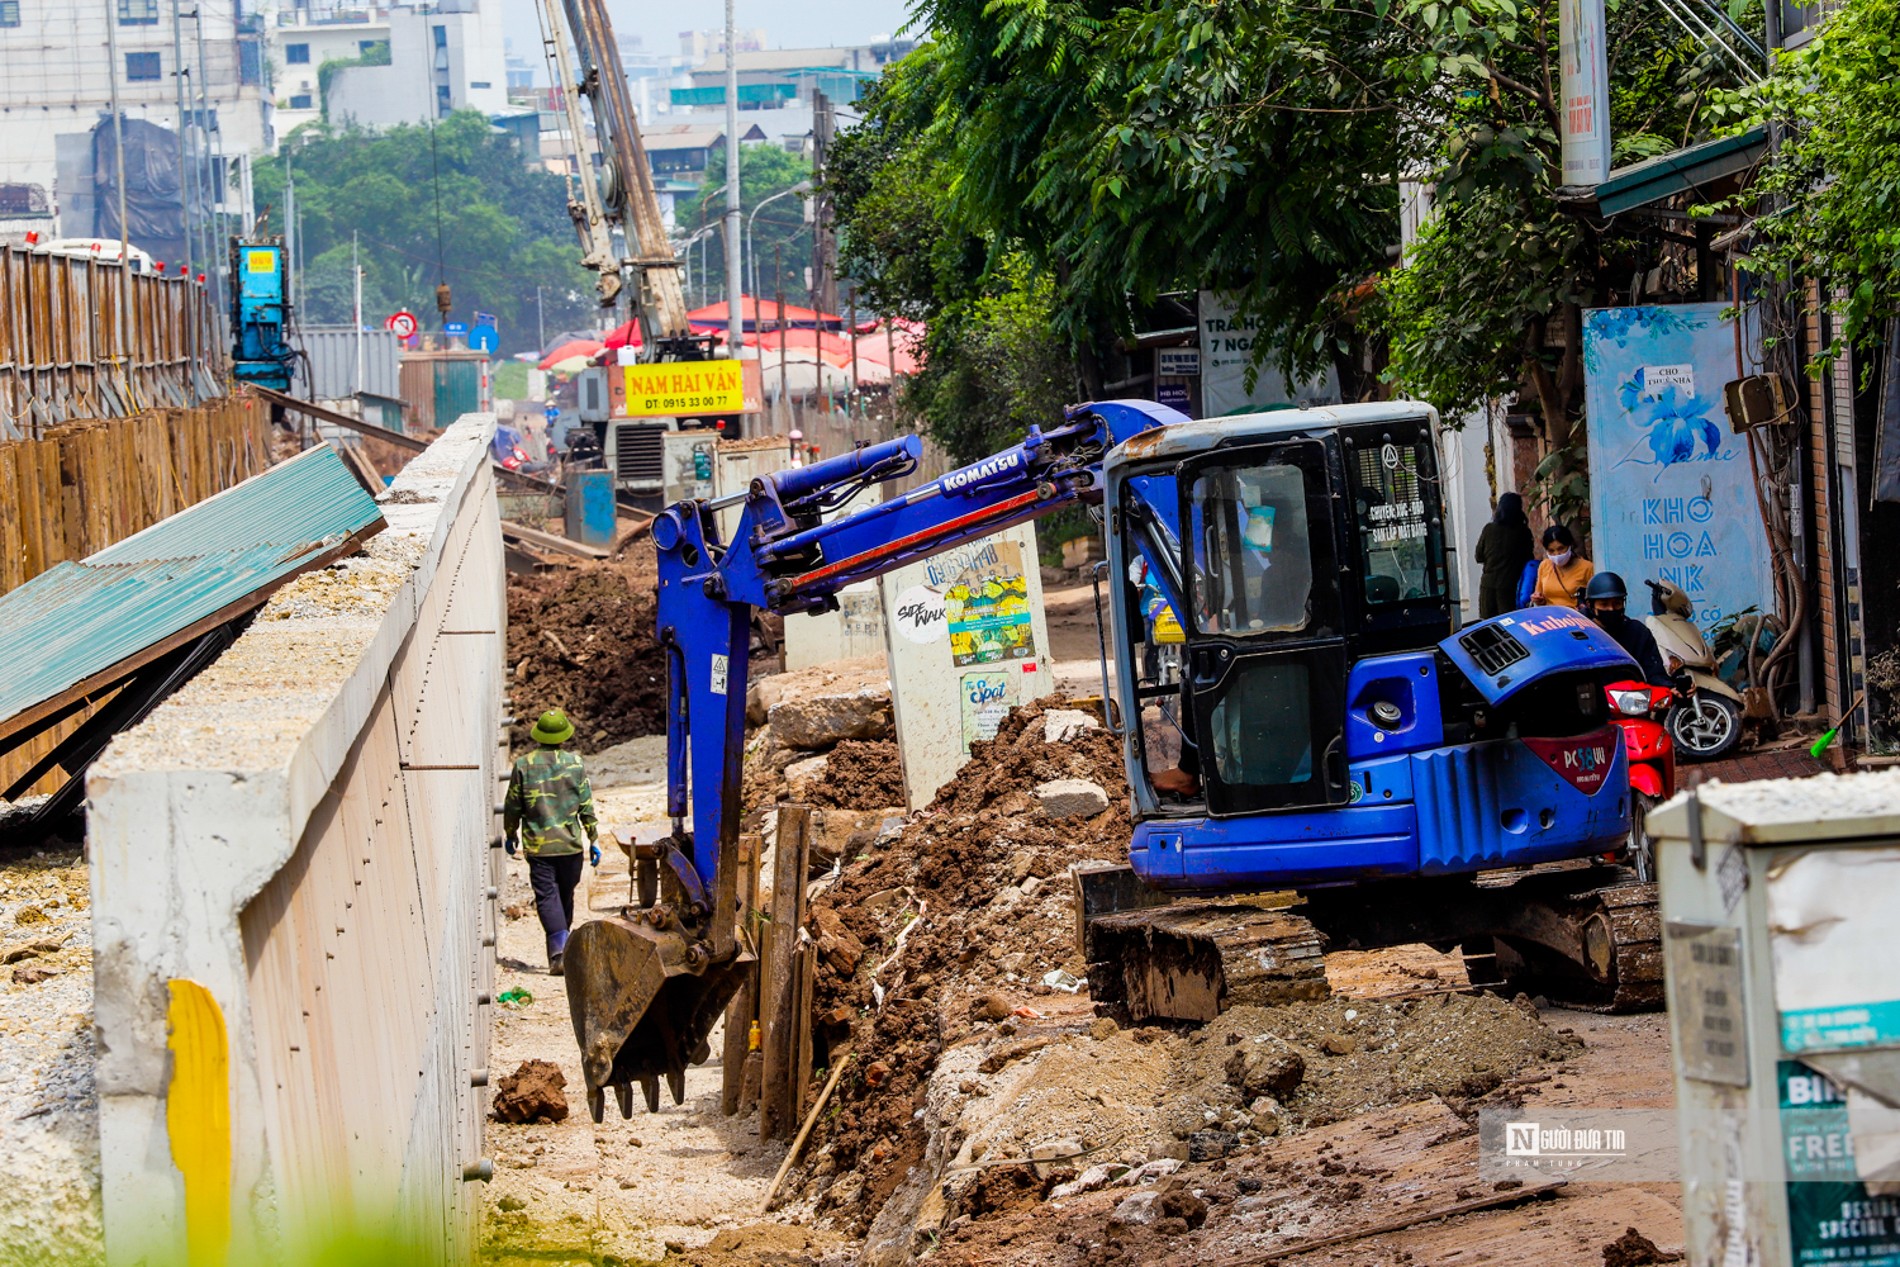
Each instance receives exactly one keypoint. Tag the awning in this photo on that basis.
(78, 630)
(1654, 179)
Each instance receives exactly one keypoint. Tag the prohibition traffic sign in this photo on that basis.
(402, 324)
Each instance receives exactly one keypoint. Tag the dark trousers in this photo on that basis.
(554, 880)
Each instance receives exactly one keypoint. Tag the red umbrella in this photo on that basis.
(834, 348)
(763, 314)
(574, 347)
(626, 336)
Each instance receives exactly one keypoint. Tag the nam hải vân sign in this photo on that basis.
(685, 387)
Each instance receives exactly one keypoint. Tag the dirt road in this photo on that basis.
(572, 1191)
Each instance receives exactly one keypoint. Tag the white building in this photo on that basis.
(57, 89)
(302, 39)
(443, 57)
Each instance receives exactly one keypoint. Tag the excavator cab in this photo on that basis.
(1303, 554)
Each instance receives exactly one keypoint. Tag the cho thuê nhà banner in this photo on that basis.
(1670, 482)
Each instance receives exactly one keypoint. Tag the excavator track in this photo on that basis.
(1621, 969)
(1586, 937)
(1192, 961)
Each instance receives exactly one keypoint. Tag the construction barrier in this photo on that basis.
(84, 338)
(87, 485)
(294, 910)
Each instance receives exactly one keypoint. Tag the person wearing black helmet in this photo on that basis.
(1603, 601)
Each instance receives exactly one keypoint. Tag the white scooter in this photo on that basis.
(1706, 722)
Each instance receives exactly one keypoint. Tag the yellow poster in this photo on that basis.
(665, 388)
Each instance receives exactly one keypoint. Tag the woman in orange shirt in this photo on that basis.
(1564, 571)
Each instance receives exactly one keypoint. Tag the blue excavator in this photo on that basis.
(1318, 726)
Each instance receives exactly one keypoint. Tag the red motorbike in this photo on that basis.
(1638, 709)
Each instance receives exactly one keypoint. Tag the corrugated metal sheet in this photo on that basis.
(77, 621)
(332, 352)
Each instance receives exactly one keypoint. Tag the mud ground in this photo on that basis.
(1364, 1145)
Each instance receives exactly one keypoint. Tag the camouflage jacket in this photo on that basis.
(549, 802)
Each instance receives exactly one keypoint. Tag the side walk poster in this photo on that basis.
(1670, 482)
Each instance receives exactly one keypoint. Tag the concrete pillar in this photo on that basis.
(967, 641)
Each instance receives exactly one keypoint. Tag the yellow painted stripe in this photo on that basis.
(198, 1119)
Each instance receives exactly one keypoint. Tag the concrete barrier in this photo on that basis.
(292, 892)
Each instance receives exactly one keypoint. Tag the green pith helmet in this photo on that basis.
(554, 727)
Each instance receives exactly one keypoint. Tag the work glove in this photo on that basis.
(511, 845)
(593, 854)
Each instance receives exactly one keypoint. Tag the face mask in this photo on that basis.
(1560, 560)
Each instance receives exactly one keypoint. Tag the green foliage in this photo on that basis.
(1465, 317)
(504, 229)
(1831, 195)
(1456, 315)
(779, 232)
(511, 380)
(994, 366)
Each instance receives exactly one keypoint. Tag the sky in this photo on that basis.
(787, 23)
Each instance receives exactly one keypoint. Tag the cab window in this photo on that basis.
(1395, 512)
(1250, 550)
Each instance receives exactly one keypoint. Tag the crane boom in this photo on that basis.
(624, 196)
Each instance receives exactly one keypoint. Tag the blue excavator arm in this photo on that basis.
(646, 987)
(786, 557)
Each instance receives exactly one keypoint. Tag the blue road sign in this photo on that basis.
(485, 337)
(455, 327)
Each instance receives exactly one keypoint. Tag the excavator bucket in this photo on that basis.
(643, 1001)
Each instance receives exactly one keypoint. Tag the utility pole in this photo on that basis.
(118, 146)
(219, 238)
(540, 320)
(178, 76)
(356, 310)
(824, 247)
(778, 271)
(735, 320)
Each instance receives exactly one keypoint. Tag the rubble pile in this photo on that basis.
(981, 1086)
(823, 736)
(582, 640)
(956, 918)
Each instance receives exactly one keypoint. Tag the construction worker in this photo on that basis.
(548, 808)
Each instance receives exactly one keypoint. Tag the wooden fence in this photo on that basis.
(86, 485)
(84, 339)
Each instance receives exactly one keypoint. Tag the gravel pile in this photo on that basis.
(49, 1112)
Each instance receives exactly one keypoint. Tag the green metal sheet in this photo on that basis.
(78, 621)
(1657, 178)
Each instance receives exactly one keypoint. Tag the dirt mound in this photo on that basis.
(1633, 1249)
(861, 774)
(1361, 1054)
(583, 641)
(975, 888)
(532, 1093)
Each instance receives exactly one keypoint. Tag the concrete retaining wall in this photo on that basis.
(304, 831)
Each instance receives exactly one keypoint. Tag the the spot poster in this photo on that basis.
(1670, 483)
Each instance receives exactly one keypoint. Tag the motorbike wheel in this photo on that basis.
(1642, 846)
(1705, 726)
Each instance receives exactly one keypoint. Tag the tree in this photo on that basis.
(1830, 194)
(502, 230)
(994, 360)
(778, 234)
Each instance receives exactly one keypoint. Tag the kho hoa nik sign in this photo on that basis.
(1669, 481)
(666, 388)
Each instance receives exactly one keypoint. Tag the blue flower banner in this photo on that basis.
(1669, 480)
